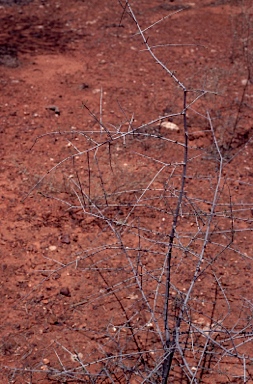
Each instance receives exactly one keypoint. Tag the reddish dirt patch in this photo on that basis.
(84, 210)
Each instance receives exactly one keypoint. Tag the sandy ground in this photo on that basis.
(87, 196)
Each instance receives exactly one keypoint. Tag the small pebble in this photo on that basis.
(52, 248)
(170, 126)
(65, 291)
(54, 108)
(65, 239)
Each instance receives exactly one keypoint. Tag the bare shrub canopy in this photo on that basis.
(161, 239)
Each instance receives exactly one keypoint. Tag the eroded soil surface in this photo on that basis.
(65, 67)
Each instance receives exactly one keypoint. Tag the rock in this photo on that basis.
(52, 248)
(65, 291)
(170, 126)
(65, 239)
(54, 108)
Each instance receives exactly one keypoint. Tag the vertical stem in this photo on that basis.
(169, 347)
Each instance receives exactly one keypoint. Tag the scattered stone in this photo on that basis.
(132, 296)
(65, 291)
(84, 86)
(45, 273)
(170, 126)
(52, 248)
(54, 108)
(65, 239)
(45, 361)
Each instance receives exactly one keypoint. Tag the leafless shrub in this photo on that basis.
(163, 253)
